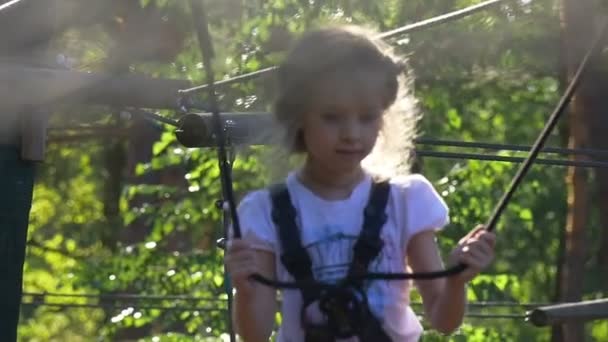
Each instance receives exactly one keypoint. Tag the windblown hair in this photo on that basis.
(337, 52)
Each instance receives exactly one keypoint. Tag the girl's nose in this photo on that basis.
(350, 131)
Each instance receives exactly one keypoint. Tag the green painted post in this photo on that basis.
(16, 188)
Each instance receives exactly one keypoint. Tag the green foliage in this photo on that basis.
(491, 77)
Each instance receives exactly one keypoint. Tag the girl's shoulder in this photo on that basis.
(412, 183)
(255, 195)
(260, 199)
(416, 192)
(256, 199)
(255, 220)
(263, 196)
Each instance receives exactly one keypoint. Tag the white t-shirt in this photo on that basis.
(328, 231)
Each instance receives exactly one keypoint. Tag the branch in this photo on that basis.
(64, 252)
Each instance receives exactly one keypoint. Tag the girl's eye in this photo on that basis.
(369, 117)
(331, 117)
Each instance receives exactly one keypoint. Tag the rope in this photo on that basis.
(418, 26)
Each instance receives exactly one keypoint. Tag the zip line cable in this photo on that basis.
(444, 18)
(418, 26)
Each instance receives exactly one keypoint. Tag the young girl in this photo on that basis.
(338, 88)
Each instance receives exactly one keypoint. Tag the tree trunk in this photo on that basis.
(599, 140)
(578, 31)
(114, 160)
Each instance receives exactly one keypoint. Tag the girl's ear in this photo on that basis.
(299, 143)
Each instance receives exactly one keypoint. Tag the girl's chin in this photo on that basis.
(347, 165)
(343, 163)
(349, 158)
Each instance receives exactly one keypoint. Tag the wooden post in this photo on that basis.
(22, 135)
(597, 104)
(578, 31)
(17, 183)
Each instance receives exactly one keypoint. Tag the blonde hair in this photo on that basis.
(338, 51)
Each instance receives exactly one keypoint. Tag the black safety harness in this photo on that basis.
(344, 304)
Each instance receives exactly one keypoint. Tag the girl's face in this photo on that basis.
(342, 128)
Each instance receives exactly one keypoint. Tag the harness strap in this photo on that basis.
(369, 244)
(294, 256)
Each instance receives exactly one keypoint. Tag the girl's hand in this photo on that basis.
(476, 250)
(241, 263)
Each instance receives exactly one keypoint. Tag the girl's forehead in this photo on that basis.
(359, 89)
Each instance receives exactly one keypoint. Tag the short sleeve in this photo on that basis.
(256, 225)
(424, 207)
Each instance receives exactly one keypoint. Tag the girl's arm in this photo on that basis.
(255, 304)
(444, 299)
